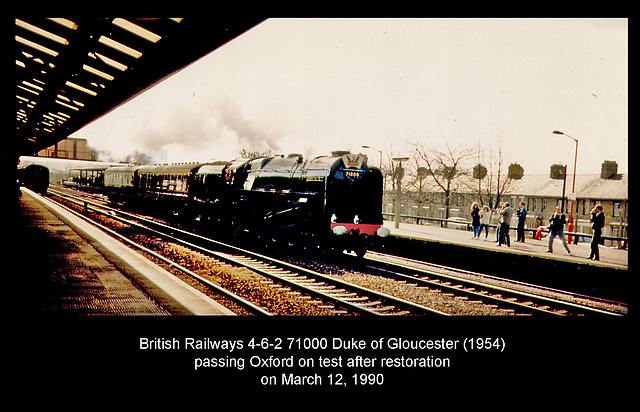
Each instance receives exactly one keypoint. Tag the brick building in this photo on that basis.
(69, 148)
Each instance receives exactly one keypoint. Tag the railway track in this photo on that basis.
(328, 293)
(342, 297)
(523, 298)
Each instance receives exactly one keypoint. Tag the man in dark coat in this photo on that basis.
(522, 219)
(597, 218)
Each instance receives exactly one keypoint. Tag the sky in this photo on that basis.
(311, 86)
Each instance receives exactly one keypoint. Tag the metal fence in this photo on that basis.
(457, 223)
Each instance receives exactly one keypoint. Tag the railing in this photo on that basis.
(622, 241)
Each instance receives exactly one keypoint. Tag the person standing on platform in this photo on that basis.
(522, 219)
(475, 220)
(485, 219)
(597, 218)
(505, 225)
(557, 220)
(499, 209)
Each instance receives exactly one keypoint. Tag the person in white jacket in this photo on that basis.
(485, 219)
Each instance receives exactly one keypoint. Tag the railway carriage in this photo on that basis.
(121, 183)
(34, 177)
(88, 178)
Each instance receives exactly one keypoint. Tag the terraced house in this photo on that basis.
(541, 193)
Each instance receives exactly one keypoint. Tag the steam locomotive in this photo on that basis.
(330, 201)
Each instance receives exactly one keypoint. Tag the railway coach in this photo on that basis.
(34, 177)
(169, 188)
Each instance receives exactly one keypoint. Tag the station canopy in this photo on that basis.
(71, 71)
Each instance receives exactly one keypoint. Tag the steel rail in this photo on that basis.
(323, 290)
(465, 273)
(218, 289)
(388, 261)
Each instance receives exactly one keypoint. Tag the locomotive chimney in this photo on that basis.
(338, 153)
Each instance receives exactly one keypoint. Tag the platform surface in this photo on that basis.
(609, 256)
(68, 267)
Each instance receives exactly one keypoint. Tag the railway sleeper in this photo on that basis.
(401, 313)
(343, 295)
(383, 309)
(375, 303)
(357, 299)
(325, 288)
(290, 276)
(316, 284)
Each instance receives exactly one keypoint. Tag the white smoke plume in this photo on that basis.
(192, 131)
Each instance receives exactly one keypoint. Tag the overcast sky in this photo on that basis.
(314, 85)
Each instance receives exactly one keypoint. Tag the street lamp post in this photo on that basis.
(384, 176)
(399, 172)
(573, 188)
(373, 148)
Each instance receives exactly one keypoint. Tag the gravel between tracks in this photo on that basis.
(282, 301)
(432, 298)
(241, 281)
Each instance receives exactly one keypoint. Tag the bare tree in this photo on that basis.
(444, 166)
(419, 175)
(246, 153)
(491, 188)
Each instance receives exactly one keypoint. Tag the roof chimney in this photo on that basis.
(557, 171)
(515, 171)
(609, 170)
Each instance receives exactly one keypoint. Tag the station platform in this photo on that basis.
(609, 256)
(67, 267)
